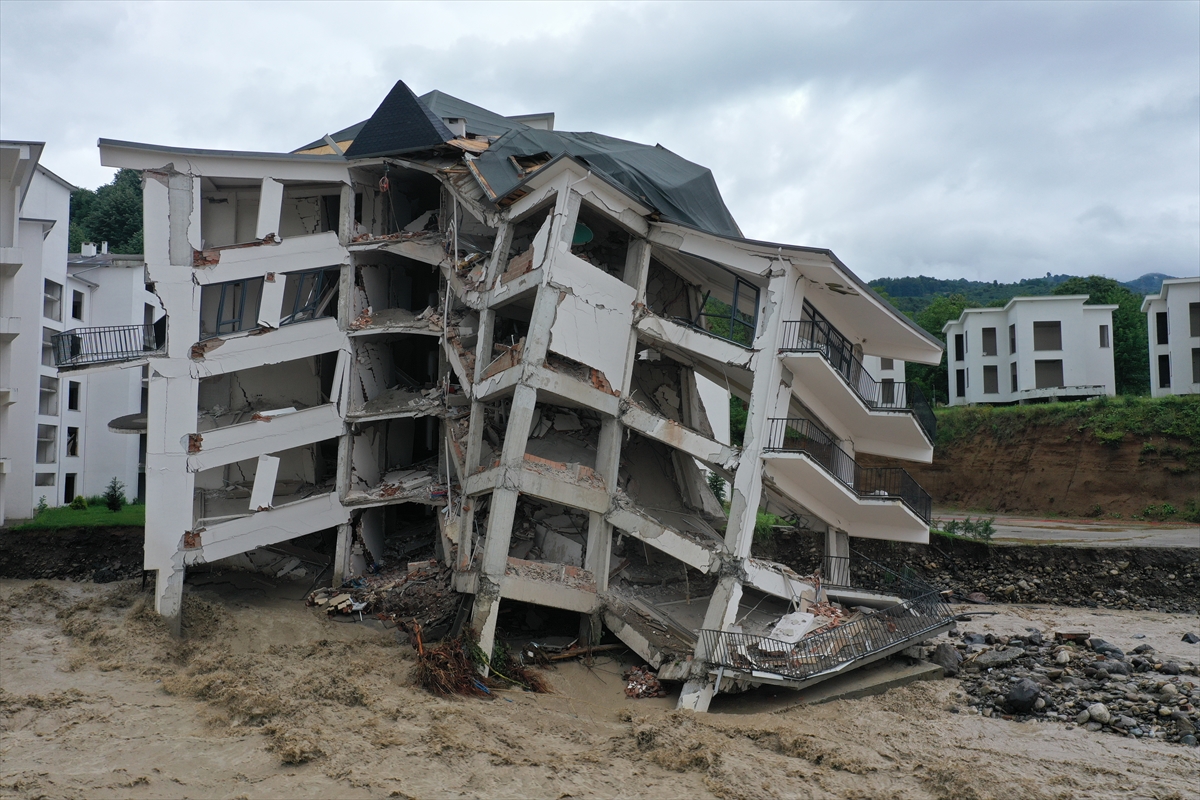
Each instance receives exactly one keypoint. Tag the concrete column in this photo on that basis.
(341, 557)
(747, 482)
(721, 615)
(837, 557)
(599, 541)
(346, 215)
(270, 208)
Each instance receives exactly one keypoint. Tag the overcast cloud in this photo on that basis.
(974, 140)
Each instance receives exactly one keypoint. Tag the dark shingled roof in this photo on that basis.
(401, 124)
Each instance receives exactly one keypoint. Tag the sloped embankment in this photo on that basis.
(1077, 459)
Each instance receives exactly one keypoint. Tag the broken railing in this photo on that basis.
(920, 610)
(860, 573)
(797, 435)
(805, 336)
(81, 346)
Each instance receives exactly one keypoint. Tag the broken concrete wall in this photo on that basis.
(403, 364)
(594, 314)
(233, 397)
(228, 217)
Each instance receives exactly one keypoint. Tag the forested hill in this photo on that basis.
(915, 294)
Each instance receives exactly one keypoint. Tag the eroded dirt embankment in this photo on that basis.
(1057, 468)
(100, 554)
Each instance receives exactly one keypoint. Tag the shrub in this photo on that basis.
(1191, 513)
(717, 484)
(114, 495)
(41, 505)
(1160, 512)
(79, 503)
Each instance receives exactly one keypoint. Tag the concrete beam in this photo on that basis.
(268, 435)
(269, 527)
(679, 437)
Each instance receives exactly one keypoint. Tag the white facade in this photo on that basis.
(109, 290)
(33, 307)
(1034, 348)
(367, 343)
(1173, 324)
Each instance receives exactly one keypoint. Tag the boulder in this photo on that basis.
(1098, 712)
(1023, 695)
(946, 656)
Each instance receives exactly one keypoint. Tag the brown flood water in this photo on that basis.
(268, 699)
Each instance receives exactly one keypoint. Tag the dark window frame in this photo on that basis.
(318, 283)
(1161, 328)
(994, 347)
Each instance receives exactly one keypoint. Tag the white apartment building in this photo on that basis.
(1034, 348)
(1173, 322)
(35, 304)
(55, 440)
(443, 324)
(108, 406)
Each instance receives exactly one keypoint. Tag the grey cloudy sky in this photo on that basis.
(975, 140)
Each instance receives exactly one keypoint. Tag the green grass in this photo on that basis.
(94, 516)
(1109, 419)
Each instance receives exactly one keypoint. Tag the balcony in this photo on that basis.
(907, 610)
(82, 347)
(804, 468)
(820, 339)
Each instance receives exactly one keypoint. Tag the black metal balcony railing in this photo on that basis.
(821, 337)
(921, 609)
(798, 435)
(81, 346)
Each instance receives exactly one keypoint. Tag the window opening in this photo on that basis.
(73, 395)
(1104, 336)
(886, 365)
(77, 305)
(1012, 339)
(47, 347)
(1048, 374)
(1194, 320)
(48, 396)
(1164, 371)
(989, 341)
(47, 444)
(1047, 335)
(960, 383)
(735, 322)
(312, 295)
(236, 307)
(991, 379)
(960, 347)
(69, 486)
(1160, 324)
(52, 301)
(1013, 375)
(44, 479)
(72, 442)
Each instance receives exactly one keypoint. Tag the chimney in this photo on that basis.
(87, 249)
(457, 126)
(104, 248)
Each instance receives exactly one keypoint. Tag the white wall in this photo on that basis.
(1175, 298)
(46, 205)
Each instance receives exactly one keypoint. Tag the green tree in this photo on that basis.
(737, 420)
(1129, 337)
(933, 380)
(112, 213)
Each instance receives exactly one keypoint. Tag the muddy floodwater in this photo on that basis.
(265, 698)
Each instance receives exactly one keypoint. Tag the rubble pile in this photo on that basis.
(421, 593)
(642, 682)
(1142, 578)
(1077, 679)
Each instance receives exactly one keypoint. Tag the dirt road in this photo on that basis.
(1012, 529)
(265, 698)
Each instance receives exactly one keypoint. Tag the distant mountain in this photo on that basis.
(1150, 283)
(915, 294)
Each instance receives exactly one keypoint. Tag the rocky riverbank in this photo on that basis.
(95, 554)
(1076, 679)
(1136, 578)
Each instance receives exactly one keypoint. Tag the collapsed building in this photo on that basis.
(442, 323)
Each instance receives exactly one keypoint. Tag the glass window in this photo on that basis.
(77, 305)
(886, 365)
(1012, 374)
(229, 307)
(1104, 336)
(1012, 339)
(310, 295)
